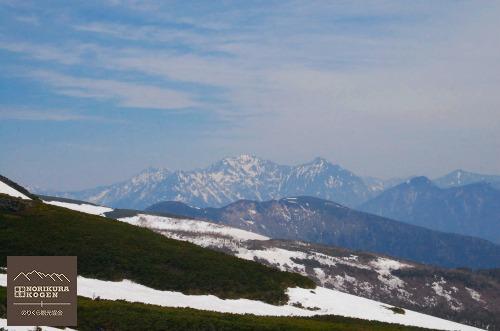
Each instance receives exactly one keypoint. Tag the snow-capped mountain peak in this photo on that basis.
(150, 175)
(230, 179)
(244, 164)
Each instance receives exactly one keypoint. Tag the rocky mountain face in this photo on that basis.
(460, 295)
(472, 209)
(460, 177)
(325, 222)
(231, 179)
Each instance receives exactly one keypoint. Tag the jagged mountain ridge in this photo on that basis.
(325, 222)
(472, 209)
(252, 178)
(231, 179)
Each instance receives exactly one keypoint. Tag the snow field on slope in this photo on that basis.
(6, 189)
(329, 302)
(207, 234)
(195, 226)
(84, 208)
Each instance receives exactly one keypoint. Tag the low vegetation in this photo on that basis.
(396, 310)
(112, 250)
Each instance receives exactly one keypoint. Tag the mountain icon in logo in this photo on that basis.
(35, 274)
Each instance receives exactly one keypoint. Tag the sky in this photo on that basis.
(92, 92)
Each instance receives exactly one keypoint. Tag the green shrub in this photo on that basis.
(396, 310)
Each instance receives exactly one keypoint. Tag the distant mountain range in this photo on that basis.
(231, 179)
(472, 209)
(252, 178)
(325, 222)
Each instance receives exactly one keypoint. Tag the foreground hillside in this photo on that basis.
(472, 209)
(112, 250)
(325, 222)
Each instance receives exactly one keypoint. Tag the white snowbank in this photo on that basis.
(84, 208)
(328, 301)
(173, 224)
(340, 303)
(133, 292)
(6, 189)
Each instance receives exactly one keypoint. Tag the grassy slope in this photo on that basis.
(112, 250)
(124, 316)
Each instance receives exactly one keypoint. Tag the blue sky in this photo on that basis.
(92, 92)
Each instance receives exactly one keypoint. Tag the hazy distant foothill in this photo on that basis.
(472, 209)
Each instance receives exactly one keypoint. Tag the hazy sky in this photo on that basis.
(93, 92)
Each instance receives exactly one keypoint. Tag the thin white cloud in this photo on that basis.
(132, 95)
(42, 52)
(147, 33)
(52, 115)
(28, 19)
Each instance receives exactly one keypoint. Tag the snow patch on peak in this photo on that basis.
(234, 178)
(150, 174)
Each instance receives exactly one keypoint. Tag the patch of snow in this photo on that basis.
(281, 258)
(84, 208)
(339, 303)
(384, 266)
(320, 274)
(162, 223)
(474, 294)
(439, 289)
(329, 302)
(6, 189)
